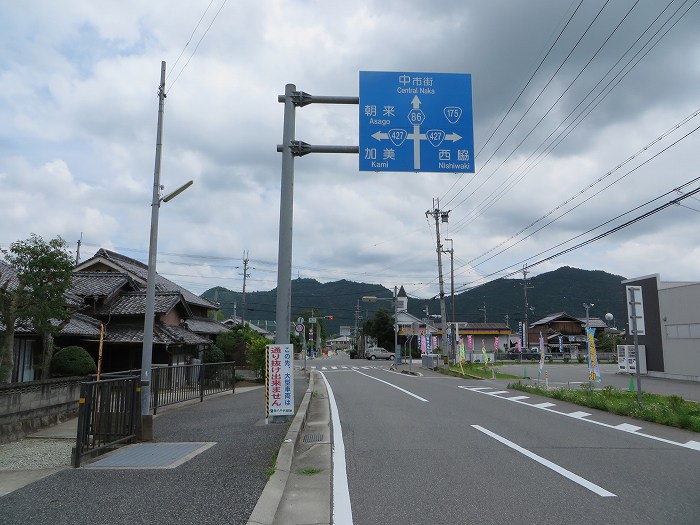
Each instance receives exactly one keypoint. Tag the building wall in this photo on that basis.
(680, 322)
(652, 322)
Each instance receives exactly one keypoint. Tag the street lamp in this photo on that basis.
(147, 352)
(373, 299)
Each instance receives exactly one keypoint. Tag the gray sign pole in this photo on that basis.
(633, 305)
(291, 148)
(284, 259)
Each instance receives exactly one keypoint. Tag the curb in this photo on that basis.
(266, 507)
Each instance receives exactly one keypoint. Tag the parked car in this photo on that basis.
(377, 352)
(528, 355)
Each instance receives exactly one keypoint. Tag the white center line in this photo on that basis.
(556, 468)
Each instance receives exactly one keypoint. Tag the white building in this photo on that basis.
(671, 317)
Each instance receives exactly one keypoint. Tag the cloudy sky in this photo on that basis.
(584, 119)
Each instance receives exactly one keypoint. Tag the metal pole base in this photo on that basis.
(146, 433)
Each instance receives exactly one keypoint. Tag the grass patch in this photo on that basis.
(673, 411)
(474, 370)
(310, 471)
(271, 469)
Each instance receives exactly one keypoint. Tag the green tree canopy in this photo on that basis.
(44, 273)
(381, 327)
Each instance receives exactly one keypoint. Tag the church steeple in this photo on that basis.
(402, 300)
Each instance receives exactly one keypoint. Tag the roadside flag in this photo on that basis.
(483, 351)
(495, 343)
(593, 368)
(461, 350)
(541, 352)
(470, 343)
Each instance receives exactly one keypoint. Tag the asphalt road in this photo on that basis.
(445, 450)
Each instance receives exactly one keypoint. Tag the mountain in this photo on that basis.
(562, 290)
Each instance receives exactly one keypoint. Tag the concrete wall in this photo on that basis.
(26, 407)
(680, 306)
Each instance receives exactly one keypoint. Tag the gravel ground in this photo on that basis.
(35, 454)
(220, 485)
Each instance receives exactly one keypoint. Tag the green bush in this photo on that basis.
(213, 354)
(352, 354)
(72, 361)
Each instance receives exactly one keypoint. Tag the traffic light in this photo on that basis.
(330, 317)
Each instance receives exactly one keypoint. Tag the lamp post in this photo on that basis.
(147, 352)
(373, 299)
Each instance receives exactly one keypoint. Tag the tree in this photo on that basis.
(381, 327)
(44, 274)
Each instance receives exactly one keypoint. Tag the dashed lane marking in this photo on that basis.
(582, 416)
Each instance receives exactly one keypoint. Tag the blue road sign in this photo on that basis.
(416, 122)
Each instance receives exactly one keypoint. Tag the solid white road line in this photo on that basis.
(393, 386)
(556, 468)
(342, 510)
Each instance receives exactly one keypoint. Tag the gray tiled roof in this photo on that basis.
(82, 325)
(8, 274)
(206, 326)
(162, 334)
(98, 283)
(134, 303)
(140, 270)
(483, 326)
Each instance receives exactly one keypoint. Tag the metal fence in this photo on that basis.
(174, 384)
(109, 413)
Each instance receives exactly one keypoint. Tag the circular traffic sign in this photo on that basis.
(299, 328)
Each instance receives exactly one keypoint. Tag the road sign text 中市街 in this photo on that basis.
(416, 122)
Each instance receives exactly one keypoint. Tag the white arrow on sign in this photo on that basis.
(398, 135)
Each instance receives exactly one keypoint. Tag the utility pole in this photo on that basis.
(440, 216)
(245, 275)
(452, 297)
(77, 252)
(526, 327)
(147, 351)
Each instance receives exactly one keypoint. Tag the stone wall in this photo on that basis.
(27, 407)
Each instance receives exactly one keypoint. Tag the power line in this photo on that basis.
(602, 235)
(198, 42)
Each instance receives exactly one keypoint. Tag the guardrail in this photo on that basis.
(175, 384)
(109, 413)
(178, 383)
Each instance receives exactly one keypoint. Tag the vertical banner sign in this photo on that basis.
(593, 368)
(461, 350)
(561, 344)
(280, 380)
(495, 343)
(423, 344)
(541, 352)
(521, 338)
(483, 351)
(428, 344)
(470, 342)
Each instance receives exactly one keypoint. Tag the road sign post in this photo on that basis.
(416, 122)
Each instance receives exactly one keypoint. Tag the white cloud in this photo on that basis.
(79, 96)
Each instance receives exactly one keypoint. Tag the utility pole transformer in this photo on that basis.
(439, 216)
(245, 276)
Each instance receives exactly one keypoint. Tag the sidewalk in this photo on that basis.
(220, 484)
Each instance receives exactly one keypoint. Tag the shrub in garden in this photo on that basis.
(72, 361)
(213, 354)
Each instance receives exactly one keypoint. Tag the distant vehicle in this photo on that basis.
(529, 355)
(377, 352)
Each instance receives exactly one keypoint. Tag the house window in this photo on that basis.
(24, 360)
(683, 331)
